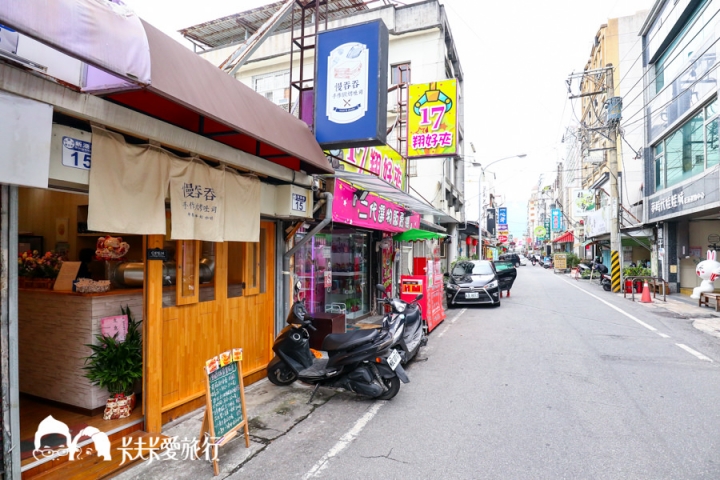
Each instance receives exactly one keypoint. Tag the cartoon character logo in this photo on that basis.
(51, 426)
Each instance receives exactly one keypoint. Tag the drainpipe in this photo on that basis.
(328, 199)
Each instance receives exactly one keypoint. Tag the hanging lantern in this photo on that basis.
(468, 240)
(475, 242)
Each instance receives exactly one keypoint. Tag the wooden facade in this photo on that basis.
(180, 338)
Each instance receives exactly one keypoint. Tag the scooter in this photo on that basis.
(605, 279)
(406, 325)
(360, 361)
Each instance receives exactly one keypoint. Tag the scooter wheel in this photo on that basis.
(393, 387)
(607, 287)
(279, 373)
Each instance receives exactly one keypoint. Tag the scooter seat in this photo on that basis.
(346, 341)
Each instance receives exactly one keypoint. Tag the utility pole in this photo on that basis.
(614, 106)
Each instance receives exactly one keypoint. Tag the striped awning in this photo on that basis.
(566, 237)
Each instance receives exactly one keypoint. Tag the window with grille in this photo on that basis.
(274, 86)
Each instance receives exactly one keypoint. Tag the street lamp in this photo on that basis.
(480, 202)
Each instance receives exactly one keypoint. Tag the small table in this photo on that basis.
(705, 299)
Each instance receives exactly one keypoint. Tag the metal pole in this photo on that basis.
(480, 215)
(614, 202)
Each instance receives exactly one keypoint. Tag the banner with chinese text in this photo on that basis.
(382, 161)
(432, 119)
(196, 201)
(373, 212)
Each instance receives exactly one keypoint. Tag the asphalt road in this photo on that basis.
(563, 380)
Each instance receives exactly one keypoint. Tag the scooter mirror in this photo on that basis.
(381, 288)
(419, 297)
(298, 285)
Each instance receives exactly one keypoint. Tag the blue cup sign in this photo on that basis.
(502, 215)
(76, 153)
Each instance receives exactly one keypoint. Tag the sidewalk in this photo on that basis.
(680, 306)
(273, 412)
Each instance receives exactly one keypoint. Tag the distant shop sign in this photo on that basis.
(697, 194)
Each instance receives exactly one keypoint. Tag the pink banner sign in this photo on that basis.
(117, 325)
(372, 212)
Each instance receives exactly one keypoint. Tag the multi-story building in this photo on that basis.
(680, 121)
(613, 69)
(421, 50)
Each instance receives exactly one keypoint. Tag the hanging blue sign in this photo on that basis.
(502, 215)
(351, 71)
(556, 220)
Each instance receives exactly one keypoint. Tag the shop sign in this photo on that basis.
(502, 238)
(694, 195)
(373, 212)
(432, 119)
(597, 223)
(540, 232)
(382, 161)
(351, 80)
(583, 202)
(157, 254)
(502, 216)
(490, 221)
(556, 218)
(196, 201)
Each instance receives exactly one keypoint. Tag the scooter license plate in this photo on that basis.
(472, 295)
(394, 359)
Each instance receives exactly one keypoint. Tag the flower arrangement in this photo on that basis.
(111, 248)
(33, 265)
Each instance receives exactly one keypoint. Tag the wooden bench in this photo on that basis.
(705, 299)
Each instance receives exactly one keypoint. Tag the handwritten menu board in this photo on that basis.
(225, 399)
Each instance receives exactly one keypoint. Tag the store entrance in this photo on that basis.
(55, 327)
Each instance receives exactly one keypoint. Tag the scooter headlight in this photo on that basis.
(399, 306)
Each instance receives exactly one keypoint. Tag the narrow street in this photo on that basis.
(556, 383)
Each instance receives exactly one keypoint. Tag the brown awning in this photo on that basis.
(165, 80)
(188, 91)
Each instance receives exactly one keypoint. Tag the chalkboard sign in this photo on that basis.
(225, 399)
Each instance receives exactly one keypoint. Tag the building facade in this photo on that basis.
(681, 155)
(421, 50)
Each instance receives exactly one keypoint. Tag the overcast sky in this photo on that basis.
(516, 56)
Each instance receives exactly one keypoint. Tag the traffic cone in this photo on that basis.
(646, 294)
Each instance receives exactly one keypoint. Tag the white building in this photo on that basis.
(421, 50)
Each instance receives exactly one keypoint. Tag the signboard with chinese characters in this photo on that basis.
(225, 413)
(196, 201)
(502, 215)
(373, 212)
(503, 229)
(583, 202)
(556, 219)
(546, 224)
(698, 194)
(116, 326)
(382, 161)
(490, 221)
(502, 238)
(351, 86)
(432, 119)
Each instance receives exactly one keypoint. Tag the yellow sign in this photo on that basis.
(382, 161)
(560, 261)
(432, 119)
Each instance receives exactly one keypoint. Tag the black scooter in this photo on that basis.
(406, 324)
(360, 361)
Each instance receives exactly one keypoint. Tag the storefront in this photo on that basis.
(339, 267)
(182, 286)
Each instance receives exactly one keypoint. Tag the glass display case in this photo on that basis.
(333, 270)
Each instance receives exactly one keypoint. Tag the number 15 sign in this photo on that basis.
(76, 153)
(432, 119)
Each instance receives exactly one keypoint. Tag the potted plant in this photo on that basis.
(116, 365)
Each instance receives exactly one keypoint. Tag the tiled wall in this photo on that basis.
(53, 331)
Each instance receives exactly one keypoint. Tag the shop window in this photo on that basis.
(188, 281)
(207, 271)
(247, 267)
(400, 73)
(236, 270)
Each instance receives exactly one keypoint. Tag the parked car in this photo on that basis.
(512, 257)
(507, 273)
(477, 282)
(523, 260)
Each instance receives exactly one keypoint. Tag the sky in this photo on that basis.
(516, 56)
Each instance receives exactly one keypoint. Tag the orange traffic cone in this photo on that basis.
(646, 293)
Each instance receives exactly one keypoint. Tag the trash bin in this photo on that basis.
(325, 324)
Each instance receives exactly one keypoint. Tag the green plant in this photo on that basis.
(116, 365)
(636, 272)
